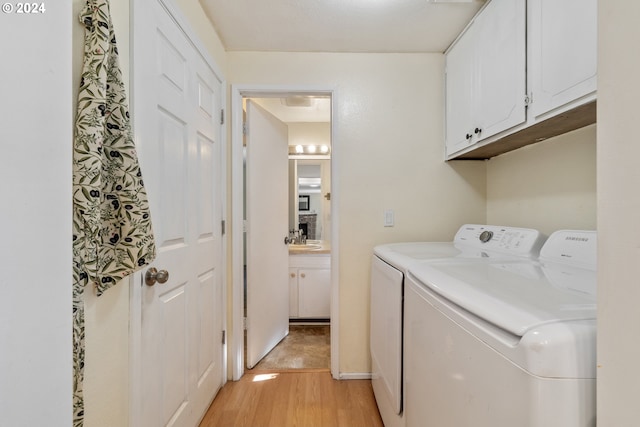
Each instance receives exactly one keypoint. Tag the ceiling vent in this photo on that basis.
(298, 101)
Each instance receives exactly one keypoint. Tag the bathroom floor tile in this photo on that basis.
(306, 347)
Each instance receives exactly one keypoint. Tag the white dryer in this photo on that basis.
(500, 343)
(390, 264)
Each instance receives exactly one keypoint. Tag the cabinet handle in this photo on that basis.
(302, 275)
(293, 274)
(477, 131)
(469, 136)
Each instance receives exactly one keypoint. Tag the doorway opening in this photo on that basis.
(311, 288)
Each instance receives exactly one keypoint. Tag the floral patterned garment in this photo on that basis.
(112, 233)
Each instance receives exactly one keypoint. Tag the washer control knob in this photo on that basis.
(485, 236)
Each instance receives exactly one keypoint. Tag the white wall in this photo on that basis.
(388, 154)
(618, 214)
(35, 189)
(309, 133)
(548, 186)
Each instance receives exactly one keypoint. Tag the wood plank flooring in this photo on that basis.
(293, 399)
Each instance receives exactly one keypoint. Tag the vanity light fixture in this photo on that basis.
(309, 150)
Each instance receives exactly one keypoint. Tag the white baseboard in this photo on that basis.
(355, 375)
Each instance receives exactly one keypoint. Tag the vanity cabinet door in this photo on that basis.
(293, 292)
(314, 290)
(563, 53)
(310, 286)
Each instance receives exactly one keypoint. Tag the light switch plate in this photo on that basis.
(388, 218)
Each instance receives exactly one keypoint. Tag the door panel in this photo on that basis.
(206, 213)
(267, 219)
(176, 97)
(564, 51)
(174, 350)
(173, 145)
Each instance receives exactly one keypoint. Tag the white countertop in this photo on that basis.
(313, 247)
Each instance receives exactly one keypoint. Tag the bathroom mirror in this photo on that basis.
(309, 193)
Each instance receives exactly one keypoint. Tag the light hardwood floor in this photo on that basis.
(308, 398)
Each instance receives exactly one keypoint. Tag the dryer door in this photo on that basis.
(386, 334)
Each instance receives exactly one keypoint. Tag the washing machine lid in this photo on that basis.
(401, 255)
(470, 241)
(514, 296)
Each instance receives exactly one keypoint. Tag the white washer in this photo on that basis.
(503, 343)
(389, 266)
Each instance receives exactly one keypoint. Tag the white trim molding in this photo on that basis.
(238, 91)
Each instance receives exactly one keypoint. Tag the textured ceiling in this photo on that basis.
(318, 110)
(339, 25)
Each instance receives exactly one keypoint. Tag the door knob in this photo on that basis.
(153, 275)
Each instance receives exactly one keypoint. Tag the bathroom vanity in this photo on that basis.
(309, 281)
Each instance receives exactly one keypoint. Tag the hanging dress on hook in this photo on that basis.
(112, 233)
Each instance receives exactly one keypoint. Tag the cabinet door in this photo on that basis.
(314, 288)
(501, 67)
(563, 43)
(459, 76)
(293, 292)
(486, 76)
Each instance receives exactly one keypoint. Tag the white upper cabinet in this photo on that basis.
(563, 53)
(521, 72)
(501, 54)
(485, 76)
(459, 91)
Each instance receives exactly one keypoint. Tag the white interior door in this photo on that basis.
(267, 220)
(177, 103)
